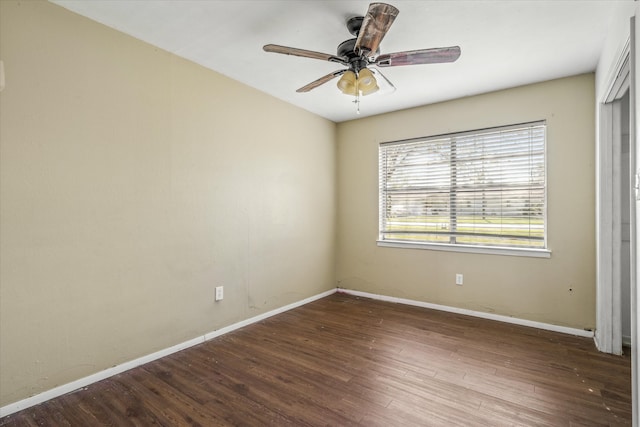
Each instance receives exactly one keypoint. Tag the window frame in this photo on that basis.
(544, 252)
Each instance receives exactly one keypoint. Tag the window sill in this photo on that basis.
(488, 250)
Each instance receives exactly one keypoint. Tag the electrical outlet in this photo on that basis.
(459, 279)
(219, 293)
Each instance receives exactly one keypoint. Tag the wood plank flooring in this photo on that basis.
(344, 360)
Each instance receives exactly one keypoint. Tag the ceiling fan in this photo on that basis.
(361, 53)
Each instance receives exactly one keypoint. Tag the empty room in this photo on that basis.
(278, 212)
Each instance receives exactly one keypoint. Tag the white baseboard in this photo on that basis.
(84, 382)
(490, 316)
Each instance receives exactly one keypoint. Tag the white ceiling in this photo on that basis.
(504, 43)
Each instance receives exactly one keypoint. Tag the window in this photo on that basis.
(483, 188)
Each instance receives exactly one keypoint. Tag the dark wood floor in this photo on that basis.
(345, 360)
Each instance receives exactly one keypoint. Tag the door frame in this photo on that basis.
(608, 334)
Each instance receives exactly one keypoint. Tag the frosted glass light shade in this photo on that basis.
(347, 83)
(365, 78)
(369, 90)
(364, 82)
(367, 82)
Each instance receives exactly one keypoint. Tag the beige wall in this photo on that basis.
(133, 182)
(528, 288)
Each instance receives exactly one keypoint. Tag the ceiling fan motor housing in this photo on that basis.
(346, 50)
(354, 24)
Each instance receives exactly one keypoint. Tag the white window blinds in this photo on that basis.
(483, 188)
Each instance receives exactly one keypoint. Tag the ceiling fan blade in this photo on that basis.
(302, 52)
(421, 56)
(322, 80)
(375, 25)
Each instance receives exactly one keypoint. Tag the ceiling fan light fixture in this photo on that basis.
(347, 83)
(365, 77)
(367, 82)
(369, 90)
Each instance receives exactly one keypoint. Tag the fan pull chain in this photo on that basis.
(357, 101)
